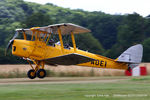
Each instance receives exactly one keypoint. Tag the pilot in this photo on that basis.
(51, 42)
(66, 46)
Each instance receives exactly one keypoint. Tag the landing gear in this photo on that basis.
(41, 73)
(37, 71)
(31, 74)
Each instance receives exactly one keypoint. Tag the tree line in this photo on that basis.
(110, 36)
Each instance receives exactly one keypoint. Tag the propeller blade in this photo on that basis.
(10, 43)
(8, 46)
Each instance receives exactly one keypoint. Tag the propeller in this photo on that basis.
(10, 43)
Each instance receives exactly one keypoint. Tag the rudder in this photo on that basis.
(132, 56)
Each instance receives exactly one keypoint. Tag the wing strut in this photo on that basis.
(61, 41)
(73, 41)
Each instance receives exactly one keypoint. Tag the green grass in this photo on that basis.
(144, 78)
(128, 89)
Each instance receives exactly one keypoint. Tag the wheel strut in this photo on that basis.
(37, 71)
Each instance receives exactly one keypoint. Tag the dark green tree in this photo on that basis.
(132, 30)
(104, 28)
(37, 20)
(146, 50)
(88, 43)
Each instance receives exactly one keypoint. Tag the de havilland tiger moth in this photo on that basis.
(37, 45)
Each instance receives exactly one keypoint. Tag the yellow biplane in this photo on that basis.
(38, 47)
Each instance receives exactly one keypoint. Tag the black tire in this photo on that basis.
(41, 73)
(31, 74)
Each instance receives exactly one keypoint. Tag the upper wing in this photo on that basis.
(66, 28)
(70, 59)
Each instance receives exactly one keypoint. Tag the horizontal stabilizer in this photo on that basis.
(132, 55)
(70, 59)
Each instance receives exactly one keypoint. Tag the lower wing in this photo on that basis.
(70, 59)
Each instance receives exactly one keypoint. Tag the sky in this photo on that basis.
(141, 7)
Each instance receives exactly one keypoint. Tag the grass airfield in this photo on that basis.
(76, 88)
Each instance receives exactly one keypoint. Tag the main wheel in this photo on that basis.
(41, 73)
(31, 74)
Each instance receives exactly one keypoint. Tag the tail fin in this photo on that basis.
(132, 56)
